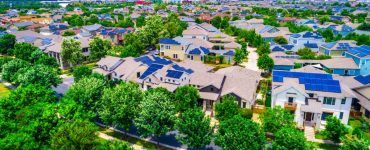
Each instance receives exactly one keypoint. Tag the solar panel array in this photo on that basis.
(363, 79)
(179, 68)
(361, 51)
(311, 81)
(174, 74)
(343, 46)
(152, 68)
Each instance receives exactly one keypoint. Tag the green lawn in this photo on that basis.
(145, 144)
(4, 91)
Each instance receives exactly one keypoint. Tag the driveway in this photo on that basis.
(67, 82)
(252, 59)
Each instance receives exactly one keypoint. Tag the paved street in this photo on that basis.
(62, 88)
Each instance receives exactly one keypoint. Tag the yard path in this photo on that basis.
(252, 59)
(309, 133)
(108, 137)
(7, 84)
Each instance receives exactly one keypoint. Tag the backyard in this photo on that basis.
(4, 91)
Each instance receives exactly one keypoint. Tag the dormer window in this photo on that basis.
(137, 74)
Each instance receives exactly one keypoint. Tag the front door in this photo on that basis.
(308, 116)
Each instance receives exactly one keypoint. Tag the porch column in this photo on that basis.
(213, 104)
(204, 105)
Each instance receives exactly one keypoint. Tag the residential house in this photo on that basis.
(307, 39)
(92, 29)
(115, 35)
(152, 71)
(286, 19)
(311, 97)
(361, 56)
(341, 66)
(283, 61)
(337, 48)
(344, 19)
(360, 86)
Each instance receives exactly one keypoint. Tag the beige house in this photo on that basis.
(152, 71)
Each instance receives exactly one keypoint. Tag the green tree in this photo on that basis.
(7, 43)
(216, 22)
(39, 74)
(239, 55)
(24, 50)
(274, 119)
(68, 33)
(194, 128)
(246, 113)
(156, 116)
(125, 95)
(186, 97)
(40, 58)
(75, 134)
(306, 53)
(129, 51)
(334, 129)
(81, 72)
(227, 108)
(354, 143)
(112, 145)
(225, 22)
(280, 40)
(232, 134)
(265, 62)
(140, 21)
(125, 23)
(93, 19)
(87, 92)
(99, 48)
(71, 52)
(10, 69)
(151, 30)
(290, 138)
(263, 49)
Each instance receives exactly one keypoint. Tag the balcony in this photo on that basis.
(290, 106)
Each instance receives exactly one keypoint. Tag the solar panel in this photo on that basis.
(174, 74)
(363, 79)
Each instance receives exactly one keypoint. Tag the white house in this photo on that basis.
(312, 97)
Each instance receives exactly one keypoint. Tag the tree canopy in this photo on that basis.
(71, 52)
(194, 128)
(99, 48)
(274, 119)
(232, 134)
(227, 108)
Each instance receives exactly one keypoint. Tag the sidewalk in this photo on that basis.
(252, 59)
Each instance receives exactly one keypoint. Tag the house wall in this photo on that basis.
(173, 49)
(279, 99)
(351, 72)
(363, 63)
(204, 37)
(337, 108)
(194, 57)
(283, 67)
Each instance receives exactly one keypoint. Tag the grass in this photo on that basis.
(320, 135)
(4, 91)
(132, 140)
(70, 70)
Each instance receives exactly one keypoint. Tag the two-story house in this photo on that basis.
(361, 56)
(337, 48)
(311, 97)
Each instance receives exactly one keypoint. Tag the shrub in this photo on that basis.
(246, 113)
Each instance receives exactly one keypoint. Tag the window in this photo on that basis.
(212, 89)
(161, 78)
(137, 74)
(290, 99)
(367, 113)
(244, 104)
(341, 115)
(329, 100)
(174, 55)
(188, 56)
(150, 80)
(343, 101)
(193, 37)
(325, 114)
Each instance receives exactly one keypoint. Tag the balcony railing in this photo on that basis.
(290, 106)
